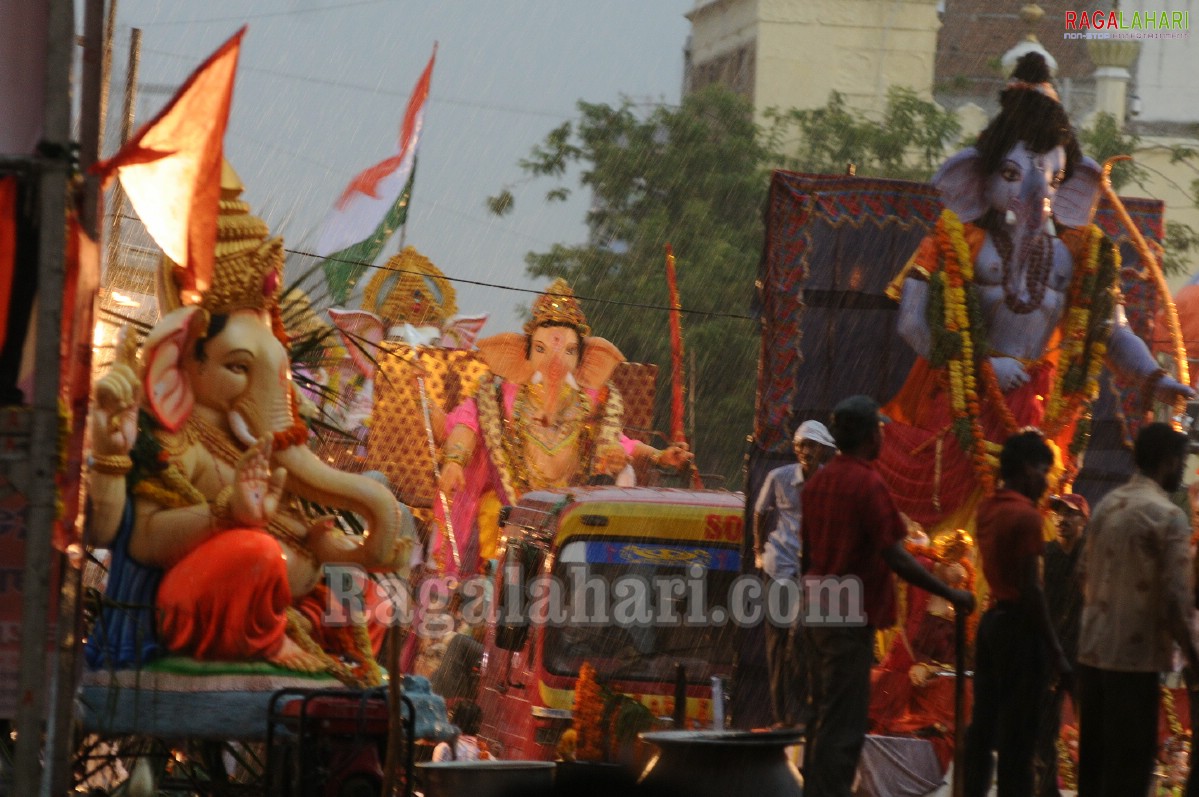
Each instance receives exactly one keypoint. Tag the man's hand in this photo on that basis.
(962, 600)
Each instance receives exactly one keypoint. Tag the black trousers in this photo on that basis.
(1011, 685)
(839, 662)
(1045, 764)
(1117, 733)
(786, 664)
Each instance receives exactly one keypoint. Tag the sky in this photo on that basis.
(322, 86)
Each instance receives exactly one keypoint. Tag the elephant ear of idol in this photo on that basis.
(962, 185)
(361, 332)
(167, 389)
(506, 355)
(1076, 199)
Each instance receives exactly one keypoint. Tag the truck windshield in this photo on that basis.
(634, 610)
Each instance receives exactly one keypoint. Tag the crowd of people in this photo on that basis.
(1094, 614)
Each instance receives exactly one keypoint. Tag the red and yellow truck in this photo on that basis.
(633, 581)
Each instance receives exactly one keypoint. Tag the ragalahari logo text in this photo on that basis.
(1116, 24)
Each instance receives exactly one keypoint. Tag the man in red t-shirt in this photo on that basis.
(1016, 648)
(852, 543)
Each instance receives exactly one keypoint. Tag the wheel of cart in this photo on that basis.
(333, 742)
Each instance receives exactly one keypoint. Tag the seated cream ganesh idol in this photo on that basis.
(205, 502)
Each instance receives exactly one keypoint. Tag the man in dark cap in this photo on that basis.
(853, 540)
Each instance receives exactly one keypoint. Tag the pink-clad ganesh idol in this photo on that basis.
(545, 416)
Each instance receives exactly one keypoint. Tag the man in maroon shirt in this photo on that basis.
(1016, 649)
(852, 543)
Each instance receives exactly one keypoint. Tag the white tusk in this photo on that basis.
(537, 378)
(570, 380)
(241, 429)
(1009, 218)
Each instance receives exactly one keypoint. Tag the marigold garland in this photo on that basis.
(995, 397)
(1084, 338)
(959, 335)
(962, 317)
(294, 435)
(1172, 720)
(587, 715)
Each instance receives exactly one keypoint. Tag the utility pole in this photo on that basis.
(53, 163)
(60, 736)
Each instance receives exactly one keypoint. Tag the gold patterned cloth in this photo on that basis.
(398, 444)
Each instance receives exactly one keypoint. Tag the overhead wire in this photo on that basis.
(242, 17)
(482, 284)
(535, 291)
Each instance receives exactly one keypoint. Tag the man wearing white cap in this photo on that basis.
(777, 554)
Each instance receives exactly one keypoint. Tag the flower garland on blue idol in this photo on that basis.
(959, 346)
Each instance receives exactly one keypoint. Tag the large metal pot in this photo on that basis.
(485, 778)
(723, 763)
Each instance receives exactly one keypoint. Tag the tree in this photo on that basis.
(908, 143)
(1103, 139)
(694, 176)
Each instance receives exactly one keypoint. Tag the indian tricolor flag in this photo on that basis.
(374, 205)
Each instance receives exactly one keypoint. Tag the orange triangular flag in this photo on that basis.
(171, 169)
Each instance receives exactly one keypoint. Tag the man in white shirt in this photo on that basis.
(776, 553)
(1137, 603)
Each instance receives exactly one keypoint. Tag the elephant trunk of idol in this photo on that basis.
(269, 407)
(316, 481)
(555, 375)
(1035, 211)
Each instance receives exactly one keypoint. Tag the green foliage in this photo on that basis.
(1181, 243)
(694, 176)
(1105, 139)
(958, 84)
(501, 204)
(908, 143)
